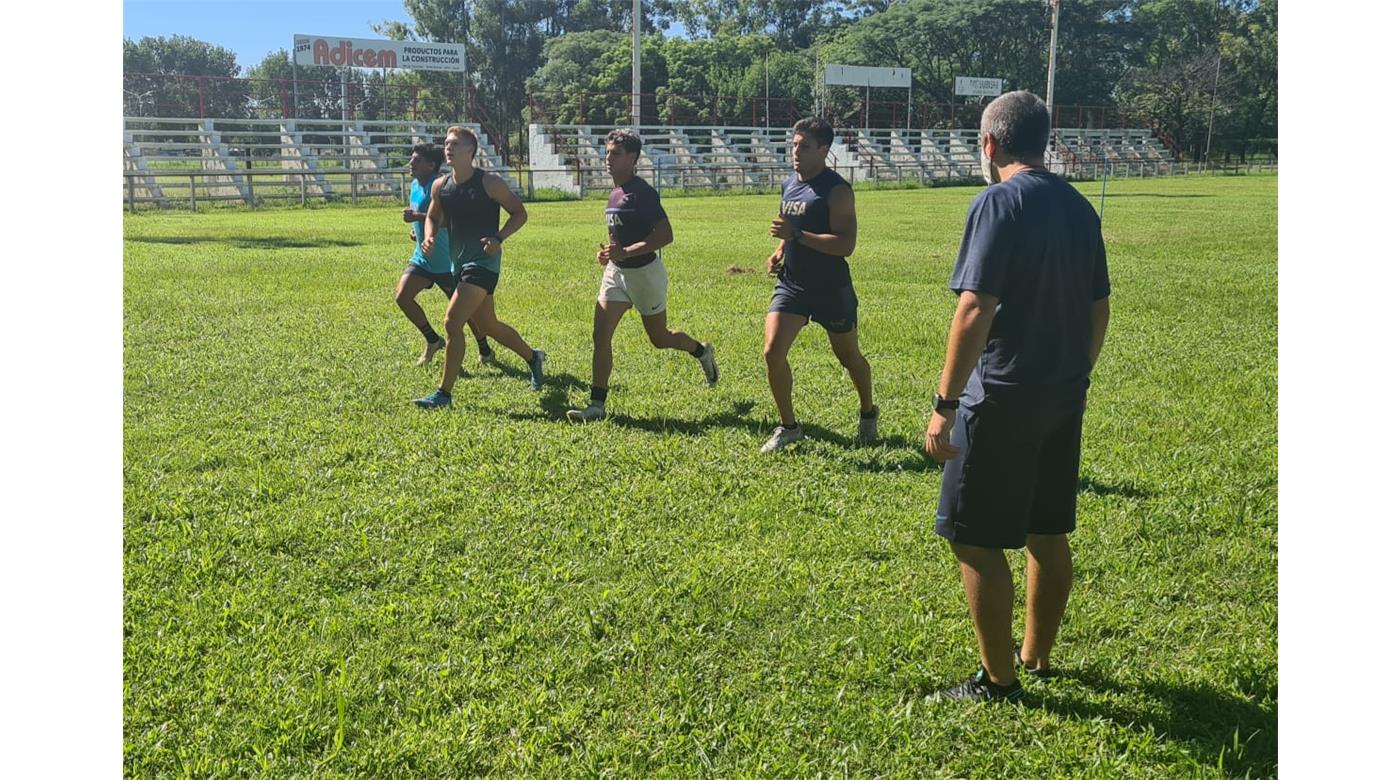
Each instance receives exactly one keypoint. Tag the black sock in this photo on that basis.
(444, 392)
(429, 334)
(790, 427)
(698, 351)
(874, 411)
(598, 395)
(482, 346)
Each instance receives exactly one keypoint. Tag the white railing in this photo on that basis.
(190, 188)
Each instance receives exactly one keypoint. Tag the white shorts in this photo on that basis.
(644, 288)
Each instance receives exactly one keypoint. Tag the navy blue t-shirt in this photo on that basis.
(808, 204)
(632, 212)
(1035, 243)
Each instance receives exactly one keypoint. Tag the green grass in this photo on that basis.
(322, 580)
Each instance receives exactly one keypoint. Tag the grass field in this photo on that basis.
(322, 580)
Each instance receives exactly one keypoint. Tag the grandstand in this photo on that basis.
(179, 162)
(569, 158)
(252, 160)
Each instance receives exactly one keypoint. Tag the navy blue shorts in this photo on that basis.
(477, 276)
(833, 309)
(445, 282)
(1017, 474)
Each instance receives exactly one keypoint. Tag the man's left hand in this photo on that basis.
(490, 245)
(938, 440)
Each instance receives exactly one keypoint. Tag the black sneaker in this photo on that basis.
(979, 687)
(1043, 673)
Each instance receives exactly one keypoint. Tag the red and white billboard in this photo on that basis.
(341, 52)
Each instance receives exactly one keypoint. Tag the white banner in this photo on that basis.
(863, 76)
(970, 85)
(341, 52)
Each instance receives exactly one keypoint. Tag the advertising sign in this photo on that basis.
(863, 76)
(340, 52)
(970, 85)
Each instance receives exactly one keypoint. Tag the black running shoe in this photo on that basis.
(979, 687)
(1043, 673)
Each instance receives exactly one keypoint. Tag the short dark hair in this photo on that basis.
(431, 152)
(1020, 124)
(628, 140)
(816, 128)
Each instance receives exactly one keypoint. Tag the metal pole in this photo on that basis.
(1054, 36)
(766, 119)
(131, 193)
(1210, 126)
(637, 64)
(296, 90)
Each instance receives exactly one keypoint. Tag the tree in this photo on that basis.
(939, 40)
(560, 84)
(272, 93)
(180, 76)
(1195, 62)
(792, 23)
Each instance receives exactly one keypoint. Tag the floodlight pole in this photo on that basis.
(637, 64)
(1050, 82)
(1210, 126)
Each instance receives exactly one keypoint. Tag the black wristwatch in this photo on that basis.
(499, 238)
(941, 404)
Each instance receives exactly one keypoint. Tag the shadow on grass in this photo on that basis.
(1124, 489)
(735, 417)
(1203, 719)
(264, 242)
(1157, 195)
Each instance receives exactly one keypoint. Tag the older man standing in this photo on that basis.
(1032, 284)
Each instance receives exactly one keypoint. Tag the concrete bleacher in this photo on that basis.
(320, 158)
(569, 158)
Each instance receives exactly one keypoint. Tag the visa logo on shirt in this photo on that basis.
(793, 208)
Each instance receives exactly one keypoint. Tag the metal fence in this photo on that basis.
(252, 188)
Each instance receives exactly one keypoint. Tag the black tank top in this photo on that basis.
(472, 215)
(806, 203)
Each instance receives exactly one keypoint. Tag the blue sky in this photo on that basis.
(252, 28)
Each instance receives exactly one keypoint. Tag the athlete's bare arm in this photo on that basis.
(435, 218)
(841, 241)
(660, 236)
(500, 192)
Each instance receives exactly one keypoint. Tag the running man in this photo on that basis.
(424, 272)
(467, 203)
(633, 274)
(817, 232)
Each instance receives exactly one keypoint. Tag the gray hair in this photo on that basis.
(1020, 124)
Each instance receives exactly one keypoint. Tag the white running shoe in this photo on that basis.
(589, 413)
(707, 362)
(430, 350)
(868, 429)
(783, 437)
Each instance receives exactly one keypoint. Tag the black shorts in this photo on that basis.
(445, 282)
(1018, 471)
(477, 276)
(833, 309)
